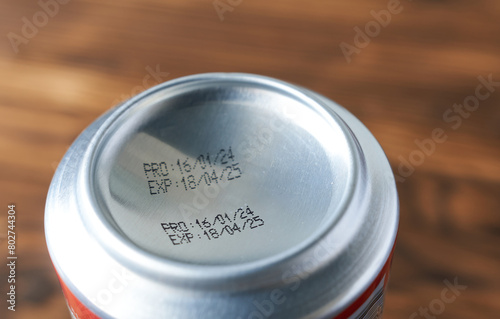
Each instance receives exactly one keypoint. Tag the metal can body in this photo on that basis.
(223, 196)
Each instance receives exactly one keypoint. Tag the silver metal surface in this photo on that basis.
(210, 194)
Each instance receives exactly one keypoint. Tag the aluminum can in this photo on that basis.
(223, 196)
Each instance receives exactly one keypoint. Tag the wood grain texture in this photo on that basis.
(428, 58)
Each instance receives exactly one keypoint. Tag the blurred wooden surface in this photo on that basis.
(91, 54)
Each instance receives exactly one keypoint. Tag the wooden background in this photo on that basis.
(90, 54)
